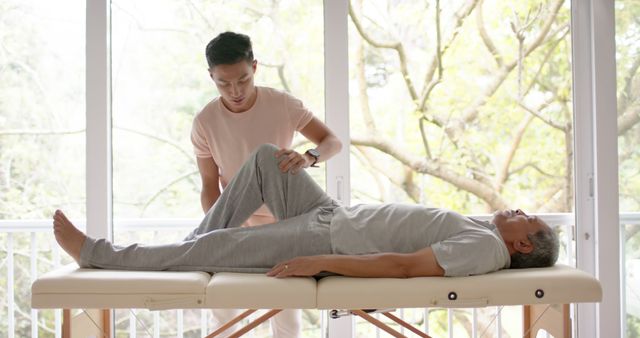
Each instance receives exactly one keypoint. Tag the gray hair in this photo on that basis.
(545, 251)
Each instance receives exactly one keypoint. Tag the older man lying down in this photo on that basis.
(315, 235)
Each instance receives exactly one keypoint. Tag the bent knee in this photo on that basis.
(266, 153)
(267, 147)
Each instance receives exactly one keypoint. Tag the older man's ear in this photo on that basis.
(523, 245)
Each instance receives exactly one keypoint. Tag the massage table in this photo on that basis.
(547, 291)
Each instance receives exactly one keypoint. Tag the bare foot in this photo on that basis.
(68, 236)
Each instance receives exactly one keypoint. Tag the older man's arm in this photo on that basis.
(421, 263)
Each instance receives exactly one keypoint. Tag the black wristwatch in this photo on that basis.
(315, 154)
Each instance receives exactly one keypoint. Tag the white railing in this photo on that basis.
(33, 227)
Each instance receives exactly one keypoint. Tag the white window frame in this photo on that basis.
(98, 116)
(595, 135)
(596, 162)
(336, 69)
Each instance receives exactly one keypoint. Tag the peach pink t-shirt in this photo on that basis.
(231, 137)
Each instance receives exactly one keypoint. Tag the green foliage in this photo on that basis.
(633, 326)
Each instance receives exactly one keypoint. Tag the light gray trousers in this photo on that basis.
(302, 208)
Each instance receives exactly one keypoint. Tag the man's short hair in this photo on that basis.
(228, 48)
(545, 251)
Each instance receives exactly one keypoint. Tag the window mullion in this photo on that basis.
(606, 167)
(597, 231)
(336, 58)
(98, 116)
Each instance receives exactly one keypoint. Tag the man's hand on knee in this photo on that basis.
(291, 161)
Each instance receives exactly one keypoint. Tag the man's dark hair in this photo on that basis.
(229, 48)
(545, 251)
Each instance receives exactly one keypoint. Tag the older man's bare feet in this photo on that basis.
(68, 236)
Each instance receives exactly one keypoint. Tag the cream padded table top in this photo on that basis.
(258, 291)
(71, 287)
(559, 284)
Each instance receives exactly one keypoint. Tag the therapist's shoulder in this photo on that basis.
(209, 112)
(276, 95)
(271, 92)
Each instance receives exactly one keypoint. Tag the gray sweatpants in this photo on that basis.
(302, 208)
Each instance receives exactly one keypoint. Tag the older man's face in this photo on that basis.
(515, 224)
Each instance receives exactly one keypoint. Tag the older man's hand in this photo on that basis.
(298, 267)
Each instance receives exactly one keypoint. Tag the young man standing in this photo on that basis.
(233, 125)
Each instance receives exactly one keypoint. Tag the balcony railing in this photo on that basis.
(44, 254)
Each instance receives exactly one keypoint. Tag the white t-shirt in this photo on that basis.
(462, 245)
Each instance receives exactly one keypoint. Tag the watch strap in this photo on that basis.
(313, 153)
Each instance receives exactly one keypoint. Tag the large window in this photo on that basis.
(42, 145)
(464, 105)
(160, 82)
(469, 108)
(42, 116)
(628, 95)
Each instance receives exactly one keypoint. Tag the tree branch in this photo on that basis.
(157, 138)
(165, 188)
(423, 135)
(409, 185)
(365, 109)
(471, 112)
(545, 60)
(19, 132)
(540, 38)
(433, 168)
(436, 61)
(426, 93)
(534, 112)
(365, 160)
(550, 197)
(199, 12)
(486, 39)
(626, 94)
(535, 167)
(405, 184)
(627, 104)
(367, 37)
(629, 118)
(35, 77)
(503, 172)
(281, 76)
(397, 46)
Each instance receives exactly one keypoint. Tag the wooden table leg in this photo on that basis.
(231, 323)
(66, 323)
(554, 319)
(104, 329)
(106, 323)
(254, 323)
(378, 323)
(406, 325)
